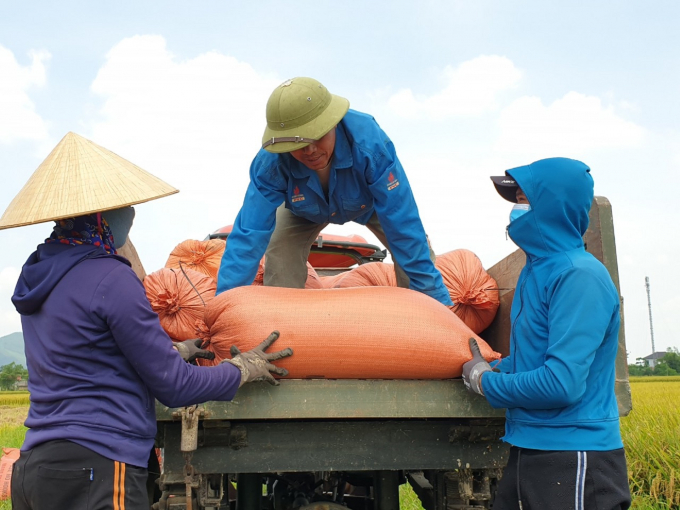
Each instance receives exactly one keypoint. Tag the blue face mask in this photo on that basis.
(519, 210)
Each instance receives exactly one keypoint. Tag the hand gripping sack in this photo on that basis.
(474, 292)
(202, 256)
(179, 298)
(358, 333)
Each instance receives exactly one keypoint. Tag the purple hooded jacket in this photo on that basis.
(97, 355)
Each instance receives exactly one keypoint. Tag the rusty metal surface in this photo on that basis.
(352, 398)
(338, 445)
(600, 241)
(506, 272)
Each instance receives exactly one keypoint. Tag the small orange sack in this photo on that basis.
(372, 274)
(179, 298)
(259, 276)
(202, 256)
(471, 288)
(313, 279)
(358, 333)
(9, 457)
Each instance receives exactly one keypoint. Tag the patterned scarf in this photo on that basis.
(88, 229)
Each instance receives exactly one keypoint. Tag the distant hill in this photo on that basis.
(12, 349)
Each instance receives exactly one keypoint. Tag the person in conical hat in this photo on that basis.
(322, 163)
(97, 355)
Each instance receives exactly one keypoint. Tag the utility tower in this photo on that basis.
(649, 305)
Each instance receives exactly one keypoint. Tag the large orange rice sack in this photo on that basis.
(471, 288)
(358, 333)
(179, 298)
(202, 256)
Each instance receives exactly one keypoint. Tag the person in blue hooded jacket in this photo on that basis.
(326, 164)
(96, 353)
(557, 384)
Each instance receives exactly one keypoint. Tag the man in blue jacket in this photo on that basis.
(325, 164)
(558, 381)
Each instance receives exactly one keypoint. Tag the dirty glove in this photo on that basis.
(191, 349)
(255, 364)
(473, 369)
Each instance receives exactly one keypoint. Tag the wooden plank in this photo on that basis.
(129, 252)
(601, 243)
(506, 272)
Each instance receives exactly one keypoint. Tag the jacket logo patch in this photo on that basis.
(392, 182)
(297, 196)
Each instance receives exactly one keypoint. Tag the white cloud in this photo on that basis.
(18, 119)
(569, 126)
(471, 89)
(190, 122)
(8, 278)
(10, 321)
(195, 123)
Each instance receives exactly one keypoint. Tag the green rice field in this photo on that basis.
(651, 435)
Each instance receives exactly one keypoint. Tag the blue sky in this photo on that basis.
(464, 89)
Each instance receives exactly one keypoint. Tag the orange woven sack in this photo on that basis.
(471, 288)
(373, 274)
(358, 333)
(330, 282)
(9, 457)
(202, 256)
(179, 298)
(313, 279)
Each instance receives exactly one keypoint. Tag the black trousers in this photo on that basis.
(61, 475)
(564, 480)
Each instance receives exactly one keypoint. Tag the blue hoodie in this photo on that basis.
(97, 355)
(558, 382)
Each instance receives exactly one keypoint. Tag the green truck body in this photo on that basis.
(350, 443)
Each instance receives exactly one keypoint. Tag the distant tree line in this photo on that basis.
(10, 374)
(668, 365)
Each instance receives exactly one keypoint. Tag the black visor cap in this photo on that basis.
(506, 187)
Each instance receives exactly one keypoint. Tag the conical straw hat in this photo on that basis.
(80, 177)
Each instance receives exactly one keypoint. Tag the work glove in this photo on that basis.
(191, 349)
(473, 369)
(255, 364)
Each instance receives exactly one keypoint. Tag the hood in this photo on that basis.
(560, 192)
(45, 268)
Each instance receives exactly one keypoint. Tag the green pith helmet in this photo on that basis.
(299, 112)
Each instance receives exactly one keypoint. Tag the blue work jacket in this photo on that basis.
(365, 177)
(558, 382)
